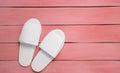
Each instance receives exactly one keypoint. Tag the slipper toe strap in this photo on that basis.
(52, 44)
(29, 39)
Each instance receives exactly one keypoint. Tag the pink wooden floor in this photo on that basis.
(92, 29)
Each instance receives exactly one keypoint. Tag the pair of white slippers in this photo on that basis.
(29, 39)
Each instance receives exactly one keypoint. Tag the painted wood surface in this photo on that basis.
(108, 33)
(56, 16)
(91, 28)
(59, 3)
(65, 66)
(71, 52)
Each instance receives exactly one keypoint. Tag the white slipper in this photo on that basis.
(50, 47)
(29, 39)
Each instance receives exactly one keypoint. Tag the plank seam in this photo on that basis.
(56, 6)
(66, 42)
(70, 25)
(71, 60)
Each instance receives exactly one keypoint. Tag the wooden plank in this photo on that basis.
(109, 33)
(80, 51)
(59, 2)
(65, 66)
(56, 16)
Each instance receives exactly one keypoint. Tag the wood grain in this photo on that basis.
(75, 51)
(65, 66)
(59, 3)
(57, 16)
(109, 33)
(91, 28)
